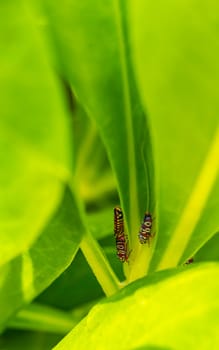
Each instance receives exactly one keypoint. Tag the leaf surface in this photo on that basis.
(175, 53)
(94, 53)
(27, 275)
(168, 310)
(34, 131)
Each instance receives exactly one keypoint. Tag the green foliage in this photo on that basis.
(178, 82)
(109, 94)
(131, 319)
(34, 142)
(27, 275)
(107, 103)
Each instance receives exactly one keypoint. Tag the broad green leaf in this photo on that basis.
(93, 50)
(171, 310)
(175, 54)
(27, 275)
(34, 131)
(72, 281)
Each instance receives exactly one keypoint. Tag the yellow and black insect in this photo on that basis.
(121, 238)
(118, 221)
(145, 234)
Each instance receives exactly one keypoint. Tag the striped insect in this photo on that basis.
(145, 234)
(121, 238)
(118, 221)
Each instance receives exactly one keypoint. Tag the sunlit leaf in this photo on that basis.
(175, 54)
(34, 132)
(164, 310)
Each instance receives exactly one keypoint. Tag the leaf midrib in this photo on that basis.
(194, 207)
(133, 202)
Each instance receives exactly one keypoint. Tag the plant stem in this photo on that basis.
(99, 265)
(140, 265)
(40, 317)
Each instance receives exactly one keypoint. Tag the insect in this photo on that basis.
(189, 261)
(118, 221)
(121, 238)
(145, 230)
(122, 247)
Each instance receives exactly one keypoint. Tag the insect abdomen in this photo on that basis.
(121, 239)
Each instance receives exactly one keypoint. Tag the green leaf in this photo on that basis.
(71, 283)
(43, 318)
(94, 54)
(27, 275)
(209, 252)
(171, 310)
(34, 131)
(101, 223)
(21, 340)
(93, 174)
(175, 54)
